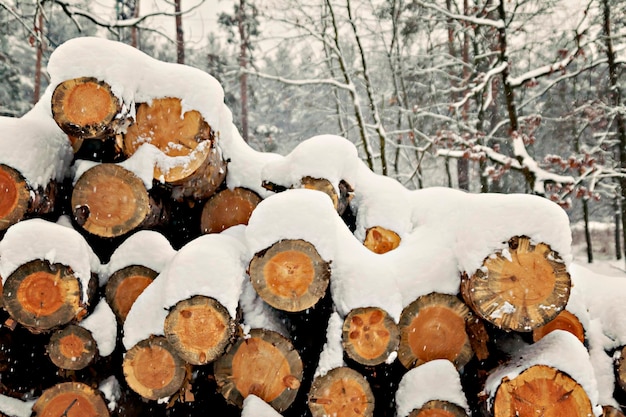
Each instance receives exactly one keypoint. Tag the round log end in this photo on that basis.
(610, 411)
(264, 364)
(434, 327)
(70, 399)
(15, 197)
(541, 390)
(369, 335)
(199, 329)
(124, 286)
(621, 369)
(437, 408)
(323, 185)
(110, 201)
(380, 240)
(72, 347)
(290, 275)
(563, 321)
(153, 370)
(228, 208)
(520, 288)
(342, 392)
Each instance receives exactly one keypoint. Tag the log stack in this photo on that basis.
(196, 276)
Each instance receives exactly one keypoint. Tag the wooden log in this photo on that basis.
(290, 275)
(342, 392)
(380, 240)
(72, 347)
(186, 136)
(563, 321)
(341, 200)
(369, 335)
(199, 329)
(20, 200)
(434, 327)
(265, 364)
(110, 201)
(228, 208)
(153, 369)
(621, 369)
(436, 408)
(519, 288)
(42, 296)
(124, 286)
(541, 390)
(70, 399)
(86, 108)
(610, 411)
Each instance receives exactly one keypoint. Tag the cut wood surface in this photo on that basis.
(541, 391)
(42, 296)
(437, 408)
(199, 329)
(228, 208)
(85, 107)
(610, 411)
(15, 196)
(109, 200)
(340, 200)
(70, 399)
(342, 392)
(563, 321)
(519, 288)
(72, 347)
(125, 285)
(153, 369)
(621, 369)
(265, 364)
(380, 240)
(290, 275)
(434, 327)
(369, 335)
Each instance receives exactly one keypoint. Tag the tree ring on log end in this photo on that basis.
(519, 288)
(610, 411)
(113, 200)
(124, 286)
(621, 369)
(323, 185)
(380, 240)
(228, 208)
(342, 392)
(565, 320)
(153, 370)
(434, 327)
(70, 399)
(199, 329)
(290, 275)
(42, 296)
(85, 107)
(369, 335)
(438, 408)
(541, 390)
(14, 197)
(72, 347)
(264, 364)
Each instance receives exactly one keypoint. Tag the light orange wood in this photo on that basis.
(228, 208)
(265, 364)
(71, 399)
(72, 347)
(124, 286)
(520, 288)
(437, 408)
(380, 240)
(369, 335)
(15, 197)
(563, 321)
(541, 391)
(342, 392)
(610, 411)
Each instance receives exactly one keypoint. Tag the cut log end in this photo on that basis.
(85, 107)
(72, 347)
(342, 392)
(14, 197)
(563, 321)
(199, 329)
(434, 327)
(621, 369)
(541, 390)
(437, 408)
(124, 286)
(520, 288)
(41, 296)
(610, 411)
(380, 240)
(264, 364)
(153, 370)
(70, 399)
(109, 201)
(290, 275)
(369, 335)
(228, 208)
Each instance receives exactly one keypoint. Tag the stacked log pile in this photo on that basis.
(154, 264)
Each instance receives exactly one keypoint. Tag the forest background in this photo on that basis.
(505, 96)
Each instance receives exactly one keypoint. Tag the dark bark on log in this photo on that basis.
(72, 348)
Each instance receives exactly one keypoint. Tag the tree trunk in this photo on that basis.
(228, 208)
(587, 231)
(243, 67)
(40, 45)
(124, 286)
(180, 40)
(618, 233)
(342, 392)
(71, 399)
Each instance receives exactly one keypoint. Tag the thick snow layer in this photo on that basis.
(40, 239)
(111, 390)
(434, 380)
(558, 349)
(35, 146)
(257, 314)
(331, 356)
(16, 408)
(253, 406)
(103, 327)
